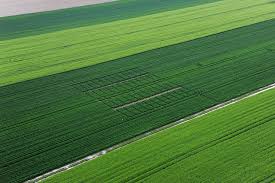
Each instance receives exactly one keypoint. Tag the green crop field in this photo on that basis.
(54, 120)
(45, 22)
(42, 55)
(233, 144)
(71, 89)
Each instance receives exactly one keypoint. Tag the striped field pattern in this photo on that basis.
(233, 144)
(75, 85)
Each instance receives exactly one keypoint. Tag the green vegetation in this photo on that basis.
(233, 144)
(36, 56)
(73, 85)
(57, 119)
(38, 23)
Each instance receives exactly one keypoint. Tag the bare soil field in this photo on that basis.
(17, 7)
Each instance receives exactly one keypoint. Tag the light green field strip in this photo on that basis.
(32, 57)
(232, 144)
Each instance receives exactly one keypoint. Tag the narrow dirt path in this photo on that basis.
(147, 98)
(171, 125)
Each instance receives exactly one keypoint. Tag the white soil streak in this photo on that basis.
(147, 98)
(145, 135)
(18, 7)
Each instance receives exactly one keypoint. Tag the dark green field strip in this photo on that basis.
(57, 119)
(35, 48)
(46, 54)
(38, 23)
(233, 144)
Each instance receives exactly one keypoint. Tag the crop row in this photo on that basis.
(38, 23)
(47, 54)
(234, 144)
(50, 122)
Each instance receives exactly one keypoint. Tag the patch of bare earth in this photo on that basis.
(18, 7)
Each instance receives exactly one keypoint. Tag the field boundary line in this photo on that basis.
(147, 98)
(152, 132)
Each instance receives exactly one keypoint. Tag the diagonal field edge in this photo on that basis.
(51, 67)
(113, 11)
(140, 53)
(147, 134)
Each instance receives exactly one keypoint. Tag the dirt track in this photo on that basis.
(17, 7)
